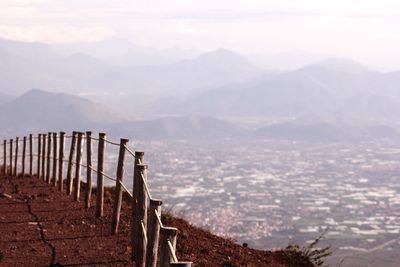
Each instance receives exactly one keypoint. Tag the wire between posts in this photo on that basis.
(94, 170)
(172, 252)
(145, 186)
(105, 175)
(126, 189)
(144, 232)
(27, 156)
(89, 167)
(110, 178)
(130, 151)
(112, 143)
(158, 216)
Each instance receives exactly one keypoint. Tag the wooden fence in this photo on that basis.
(150, 239)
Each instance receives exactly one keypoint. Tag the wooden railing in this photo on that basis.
(149, 236)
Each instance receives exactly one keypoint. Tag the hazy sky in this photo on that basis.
(366, 30)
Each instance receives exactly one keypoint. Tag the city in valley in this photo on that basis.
(271, 193)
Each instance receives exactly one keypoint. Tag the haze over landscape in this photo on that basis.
(294, 106)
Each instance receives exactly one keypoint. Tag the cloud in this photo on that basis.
(185, 29)
(55, 34)
(226, 15)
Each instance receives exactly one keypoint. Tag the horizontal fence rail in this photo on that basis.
(151, 241)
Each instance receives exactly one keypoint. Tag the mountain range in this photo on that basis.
(131, 87)
(186, 94)
(333, 90)
(37, 110)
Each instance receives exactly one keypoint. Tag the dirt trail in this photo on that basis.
(40, 226)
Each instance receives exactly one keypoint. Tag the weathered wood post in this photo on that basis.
(71, 163)
(5, 157)
(141, 220)
(48, 174)
(167, 234)
(44, 138)
(61, 162)
(16, 157)
(39, 155)
(100, 177)
(88, 189)
(78, 166)
(139, 159)
(153, 233)
(23, 155)
(55, 162)
(11, 157)
(31, 154)
(118, 187)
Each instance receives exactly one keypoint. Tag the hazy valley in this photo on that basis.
(316, 146)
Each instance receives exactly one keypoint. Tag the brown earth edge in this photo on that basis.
(40, 226)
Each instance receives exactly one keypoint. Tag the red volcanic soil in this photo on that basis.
(41, 226)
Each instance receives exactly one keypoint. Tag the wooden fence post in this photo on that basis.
(61, 162)
(23, 155)
(30, 154)
(39, 155)
(71, 163)
(78, 166)
(141, 220)
(11, 157)
(139, 159)
(44, 138)
(118, 187)
(88, 189)
(167, 234)
(100, 177)
(153, 233)
(55, 162)
(16, 157)
(48, 157)
(5, 157)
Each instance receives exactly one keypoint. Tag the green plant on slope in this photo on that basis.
(315, 255)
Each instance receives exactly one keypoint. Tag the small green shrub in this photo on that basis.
(167, 218)
(317, 256)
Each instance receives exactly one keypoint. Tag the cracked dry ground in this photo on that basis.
(41, 226)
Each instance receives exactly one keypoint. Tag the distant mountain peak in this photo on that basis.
(224, 58)
(36, 91)
(39, 109)
(43, 96)
(222, 53)
(340, 64)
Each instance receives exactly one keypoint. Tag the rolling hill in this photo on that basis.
(38, 110)
(5, 98)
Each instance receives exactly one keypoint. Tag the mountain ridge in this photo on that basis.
(312, 91)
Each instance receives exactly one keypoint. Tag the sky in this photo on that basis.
(365, 30)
